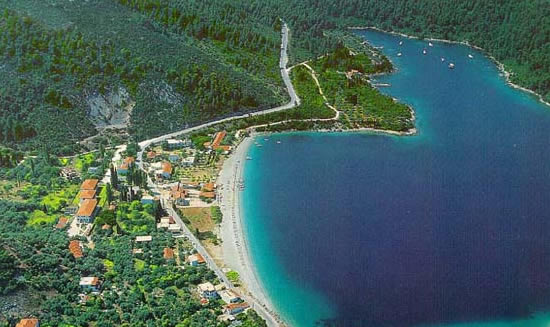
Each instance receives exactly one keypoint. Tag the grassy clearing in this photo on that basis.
(56, 200)
(39, 217)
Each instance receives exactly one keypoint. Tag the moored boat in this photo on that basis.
(451, 65)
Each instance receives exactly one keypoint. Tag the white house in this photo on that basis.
(207, 290)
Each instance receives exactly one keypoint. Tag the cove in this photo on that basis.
(449, 227)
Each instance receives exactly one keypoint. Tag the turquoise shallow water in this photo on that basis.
(445, 228)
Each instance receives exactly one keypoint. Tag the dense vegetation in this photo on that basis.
(182, 62)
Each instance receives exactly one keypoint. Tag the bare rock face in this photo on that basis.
(110, 110)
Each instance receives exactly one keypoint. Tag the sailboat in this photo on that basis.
(424, 51)
(400, 42)
(470, 56)
(451, 65)
(430, 44)
(399, 54)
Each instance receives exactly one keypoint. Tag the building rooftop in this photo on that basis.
(209, 195)
(232, 306)
(196, 257)
(89, 281)
(129, 160)
(206, 287)
(87, 208)
(209, 187)
(87, 194)
(167, 167)
(168, 253)
(218, 138)
(75, 249)
(89, 184)
(62, 222)
(147, 238)
(27, 322)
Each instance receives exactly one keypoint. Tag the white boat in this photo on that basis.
(400, 42)
(278, 142)
(399, 54)
(248, 158)
(266, 139)
(451, 65)
(424, 51)
(259, 145)
(470, 56)
(430, 44)
(442, 59)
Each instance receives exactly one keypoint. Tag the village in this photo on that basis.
(183, 172)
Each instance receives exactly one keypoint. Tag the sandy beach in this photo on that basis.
(236, 255)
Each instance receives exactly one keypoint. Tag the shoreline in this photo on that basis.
(235, 249)
(507, 75)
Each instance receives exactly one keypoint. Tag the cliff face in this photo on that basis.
(111, 109)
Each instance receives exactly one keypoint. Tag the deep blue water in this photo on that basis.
(449, 226)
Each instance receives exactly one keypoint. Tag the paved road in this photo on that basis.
(294, 101)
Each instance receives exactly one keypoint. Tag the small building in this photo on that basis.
(207, 290)
(122, 169)
(173, 157)
(151, 155)
(69, 173)
(168, 253)
(91, 284)
(209, 187)
(174, 228)
(175, 144)
(89, 184)
(218, 139)
(147, 199)
(146, 238)
(228, 296)
(179, 195)
(137, 251)
(130, 161)
(188, 161)
(62, 222)
(236, 308)
(166, 170)
(76, 249)
(196, 259)
(28, 322)
(87, 195)
(207, 195)
(87, 211)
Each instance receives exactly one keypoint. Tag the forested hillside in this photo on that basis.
(169, 63)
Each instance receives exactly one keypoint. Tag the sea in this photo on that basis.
(449, 227)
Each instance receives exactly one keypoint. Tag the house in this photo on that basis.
(175, 144)
(28, 322)
(151, 155)
(195, 260)
(218, 138)
(178, 195)
(207, 290)
(228, 296)
(147, 238)
(192, 185)
(76, 249)
(87, 211)
(137, 251)
(122, 169)
(90, 284)
(209, 187)
(130, 161)
(173, 157)
(147, 199)
(174, 228)
(62, 222)
(69, 173)
(89, 184)
(207, 195)
(87, 195)
(188, 161)
(168, 253)
(236, 308)
(166, 170)
(164, 223)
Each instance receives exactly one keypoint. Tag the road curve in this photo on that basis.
(294, 102)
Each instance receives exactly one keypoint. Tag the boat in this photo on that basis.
(278, 142)
(442, 59)
(400, 42)
(248, 158)
(399, 54)
(430, 44)
(259, 145)
(451, 65)
(266, 139)
(424, 51)
(470, 56)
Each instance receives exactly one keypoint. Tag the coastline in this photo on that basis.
(500, 65)
(235, 249)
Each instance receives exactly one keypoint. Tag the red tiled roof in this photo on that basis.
(27, 322)
(89, 184)
(218, 139)
(200, 258)
(179, 195)
(168, 253)
(87, 194)
(151, 154)
(62, 222)
(209, 195)
(75, 249)
(87, 208)
(232, 306)
(209, 187)
(167, 167)
(129, 160)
